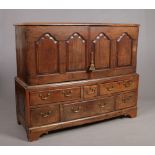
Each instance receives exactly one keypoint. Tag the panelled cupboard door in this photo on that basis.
(113, 48)
(69, 53)
(57, 53)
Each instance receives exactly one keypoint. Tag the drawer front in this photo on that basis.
(128, 84)
(45, 115)
(109, 88)
(58, 95)
(118, 86)
(74, 111)
(126, 100)
(105, 105)
(86, 109)
(90, 91)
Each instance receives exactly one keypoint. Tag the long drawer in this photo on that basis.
(85, 109)
(52, 96)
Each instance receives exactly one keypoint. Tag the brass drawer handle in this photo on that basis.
(127, 83)
(125, 100)
(76, 109)
(102, 105)
(91, 91)
(110, 88)
(46, 114)
(44, 96)
(67, 93)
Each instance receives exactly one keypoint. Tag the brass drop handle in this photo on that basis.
(124, 100)
(110, 88)
(44, 96)
(127, 83)
(67, 93)
(92, 65)
(102, 105)
(91, 91)
(76, 109)
(46, 114)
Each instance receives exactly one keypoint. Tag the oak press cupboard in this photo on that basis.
(69, 74)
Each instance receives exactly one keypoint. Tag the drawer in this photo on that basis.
(109, 88)
(90, 91)
(128, 84)
(74, 111)
(126, 100)
(45, 115)
(86, 109)
(105, 105)
(118, 86)
(57, 95)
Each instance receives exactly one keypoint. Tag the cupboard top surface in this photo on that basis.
(70, 24)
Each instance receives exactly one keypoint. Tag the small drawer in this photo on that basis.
(57, 95)
(109, 88)
(105, 105)
(90, 91)
(128, 84)
(45, 115)
(86, 109)
(126, 100)
(118, 86)
(74, 111)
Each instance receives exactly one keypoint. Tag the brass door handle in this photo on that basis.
(44, 96)
(92, 65)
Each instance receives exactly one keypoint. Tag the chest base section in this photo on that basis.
(50, 107)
